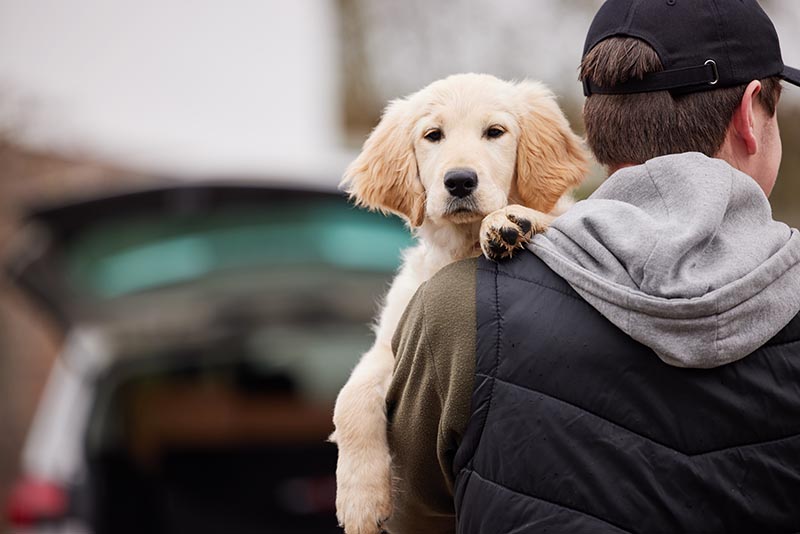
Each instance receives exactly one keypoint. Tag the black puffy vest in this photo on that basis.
(577, 428)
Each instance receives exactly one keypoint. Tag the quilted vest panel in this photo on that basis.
(577, 428)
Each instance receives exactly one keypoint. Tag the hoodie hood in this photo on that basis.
(683, 255)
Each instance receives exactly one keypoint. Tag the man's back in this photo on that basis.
(576, 427)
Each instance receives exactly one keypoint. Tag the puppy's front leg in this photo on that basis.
(509, 229)
(363, 471)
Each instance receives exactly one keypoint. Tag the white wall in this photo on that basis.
(202, 86)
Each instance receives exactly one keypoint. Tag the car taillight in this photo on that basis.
(34, 500)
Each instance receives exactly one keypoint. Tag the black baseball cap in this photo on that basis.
(702, 44)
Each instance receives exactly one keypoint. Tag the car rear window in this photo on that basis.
(136, 254)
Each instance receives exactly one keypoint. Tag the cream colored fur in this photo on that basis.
(533, 163)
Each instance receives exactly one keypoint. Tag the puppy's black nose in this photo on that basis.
(461, 182)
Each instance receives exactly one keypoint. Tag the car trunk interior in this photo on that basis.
(225, 448)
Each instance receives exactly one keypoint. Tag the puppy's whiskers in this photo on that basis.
(459, 206)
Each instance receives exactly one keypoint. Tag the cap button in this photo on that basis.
(671, 2)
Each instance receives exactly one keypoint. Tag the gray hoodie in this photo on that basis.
(682, 254)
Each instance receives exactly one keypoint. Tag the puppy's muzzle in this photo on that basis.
(461, 182)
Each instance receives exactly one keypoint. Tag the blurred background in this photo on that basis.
(164, 167)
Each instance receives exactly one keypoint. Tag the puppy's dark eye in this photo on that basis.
(434, 136)
(494, 132)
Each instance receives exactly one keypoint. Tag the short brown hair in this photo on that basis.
(634, 128)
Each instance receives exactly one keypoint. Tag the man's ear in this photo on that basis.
(744, 118)
(384, 176)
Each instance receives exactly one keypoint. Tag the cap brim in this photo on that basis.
(791, 75)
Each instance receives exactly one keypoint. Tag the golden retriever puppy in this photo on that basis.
(471, 163)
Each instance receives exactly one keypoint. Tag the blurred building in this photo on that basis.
(258, 88)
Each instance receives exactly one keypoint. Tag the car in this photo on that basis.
(208, 330)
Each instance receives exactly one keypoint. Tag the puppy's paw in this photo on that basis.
(509, 229)
(363, 493)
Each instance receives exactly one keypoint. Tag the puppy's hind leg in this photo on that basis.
(363, 471)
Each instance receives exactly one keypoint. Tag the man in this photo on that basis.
(640, 370)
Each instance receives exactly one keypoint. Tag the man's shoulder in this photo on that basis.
(463, 282)
(454, 281)
(445, 304)
(525, 271)
(445, 301)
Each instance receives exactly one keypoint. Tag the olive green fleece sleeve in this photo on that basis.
(428, 402)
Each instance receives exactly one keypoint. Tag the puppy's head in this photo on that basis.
(461, 147)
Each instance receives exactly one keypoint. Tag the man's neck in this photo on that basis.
(618, 167)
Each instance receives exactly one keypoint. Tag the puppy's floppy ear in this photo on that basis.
(551, 159)
(384, 176)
